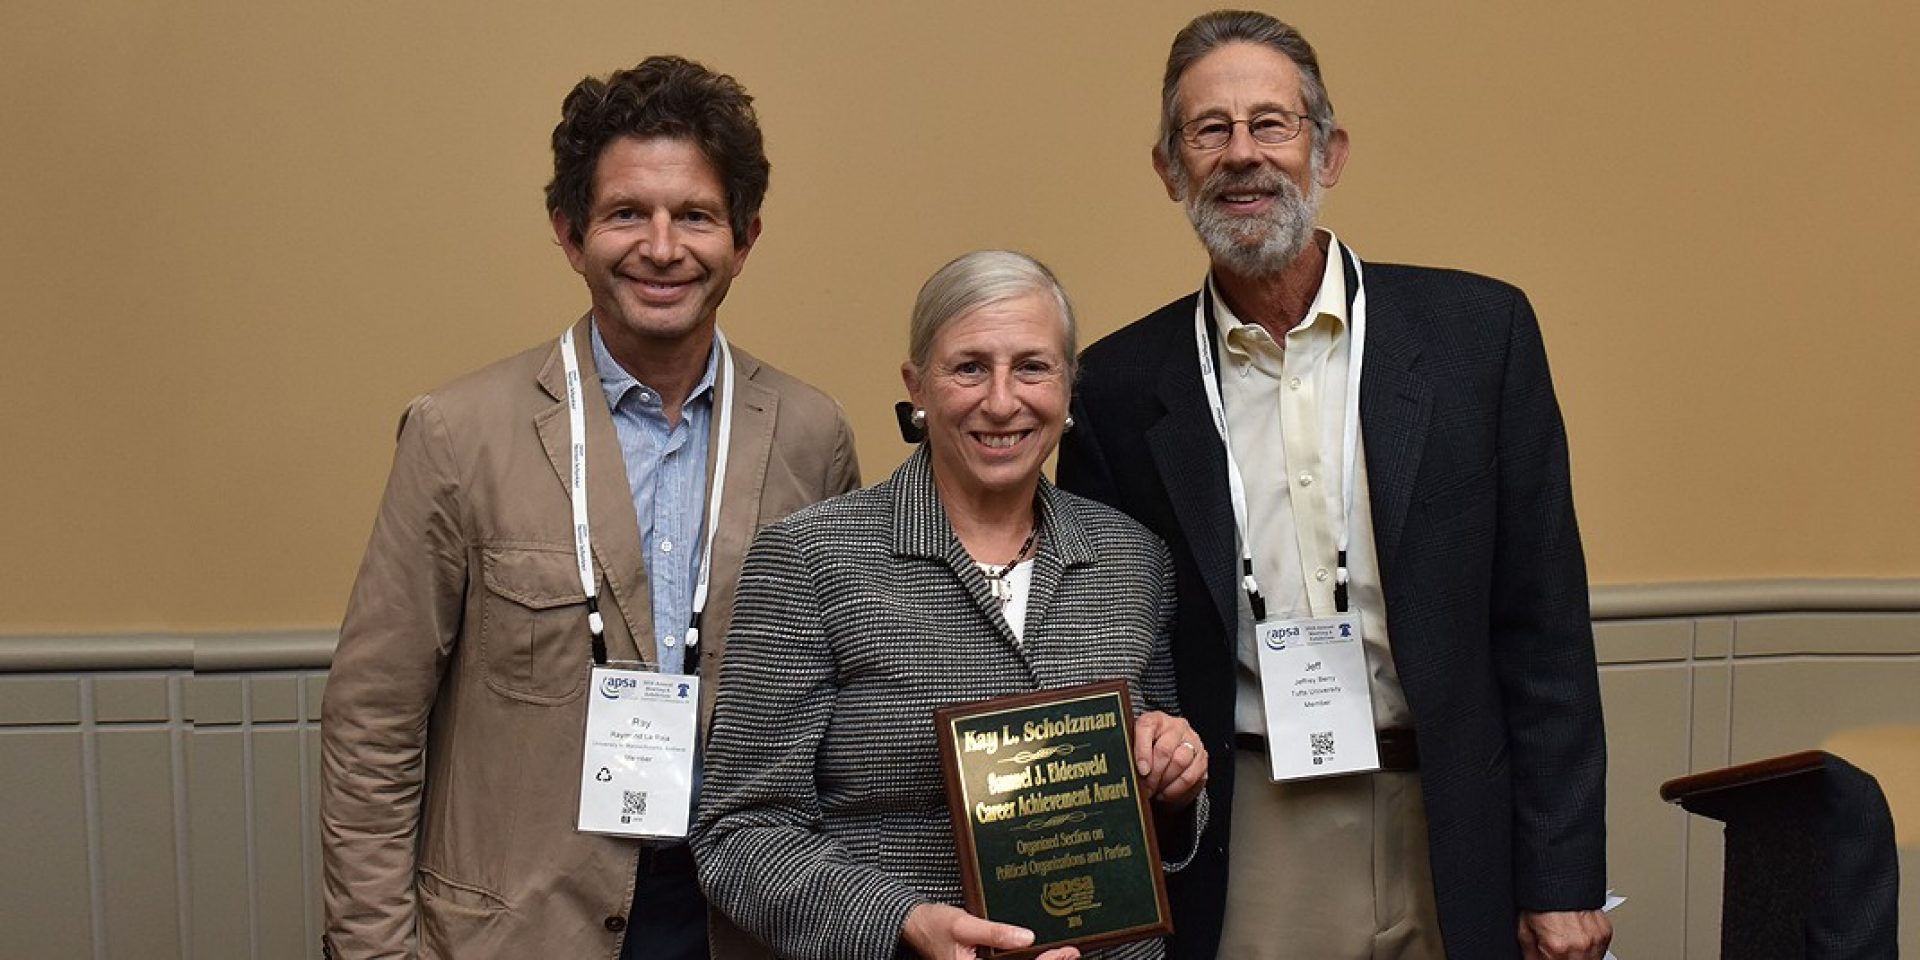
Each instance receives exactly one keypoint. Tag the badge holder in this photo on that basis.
(1314, 680)
(637, 771)
(642, 734)
(1314, 683)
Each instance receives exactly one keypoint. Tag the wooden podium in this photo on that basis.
(1811, 869)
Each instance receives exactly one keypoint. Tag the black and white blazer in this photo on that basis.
(822, 817)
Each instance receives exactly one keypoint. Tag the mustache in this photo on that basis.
(1264, 180)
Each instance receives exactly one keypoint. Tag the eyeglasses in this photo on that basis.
(1269, 127)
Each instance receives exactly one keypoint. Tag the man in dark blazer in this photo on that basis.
(1465, 541)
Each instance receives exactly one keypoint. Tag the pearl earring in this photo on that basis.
(919, 419)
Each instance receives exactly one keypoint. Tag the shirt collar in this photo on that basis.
(921, 528)
(616, 382)
(1328, 309)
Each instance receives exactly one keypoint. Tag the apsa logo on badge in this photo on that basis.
(1277, 637)
(616, 687)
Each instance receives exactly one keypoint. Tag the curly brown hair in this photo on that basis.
(663, 96)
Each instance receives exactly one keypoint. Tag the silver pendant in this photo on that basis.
(1001, 589)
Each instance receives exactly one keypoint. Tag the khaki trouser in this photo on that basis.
(1332, 869)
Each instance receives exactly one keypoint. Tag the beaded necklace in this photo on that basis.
(997, 583)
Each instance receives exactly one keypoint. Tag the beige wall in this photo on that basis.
(237, 237)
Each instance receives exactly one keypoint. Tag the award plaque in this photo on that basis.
(1051, 829)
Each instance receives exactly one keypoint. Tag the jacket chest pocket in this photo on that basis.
(534, 642)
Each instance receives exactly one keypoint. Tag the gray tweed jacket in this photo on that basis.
(822, 817)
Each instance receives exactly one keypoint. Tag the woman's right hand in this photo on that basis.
(937, 931)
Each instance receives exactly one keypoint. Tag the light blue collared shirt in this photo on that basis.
(667, 474)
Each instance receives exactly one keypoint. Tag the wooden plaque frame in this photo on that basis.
(1062, 773)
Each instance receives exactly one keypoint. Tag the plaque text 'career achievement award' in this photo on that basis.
(1052, 831)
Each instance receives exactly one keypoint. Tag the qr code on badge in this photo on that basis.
(1322, 745)
(633, 803)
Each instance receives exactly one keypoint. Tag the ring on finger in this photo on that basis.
(1188, 744)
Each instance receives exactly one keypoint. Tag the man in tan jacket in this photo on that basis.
(455, 717)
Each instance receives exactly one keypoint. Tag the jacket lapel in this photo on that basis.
(1192, 462)
(1396, 403)
(755, 410)
(616, 530)
(1063, 545)
(920, 529)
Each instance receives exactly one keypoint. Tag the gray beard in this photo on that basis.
(1257, 246)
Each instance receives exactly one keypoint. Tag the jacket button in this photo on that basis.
(616, 924)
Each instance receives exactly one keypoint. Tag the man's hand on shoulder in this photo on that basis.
(1565, 935)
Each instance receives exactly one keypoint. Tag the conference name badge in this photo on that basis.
(636, 774)
(1314, 682)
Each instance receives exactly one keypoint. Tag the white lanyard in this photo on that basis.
(577, 487)
(1349, 435)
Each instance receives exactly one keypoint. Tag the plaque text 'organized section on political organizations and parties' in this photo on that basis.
(1052, 832)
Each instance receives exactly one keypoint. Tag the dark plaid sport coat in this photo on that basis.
(1480, 562)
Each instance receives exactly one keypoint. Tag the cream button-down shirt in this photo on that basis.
(1286, 406)
(1332, 868)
